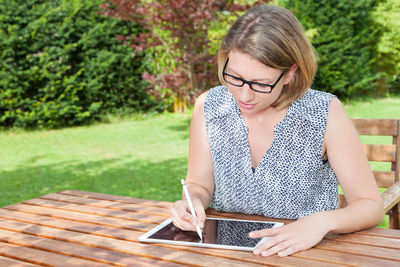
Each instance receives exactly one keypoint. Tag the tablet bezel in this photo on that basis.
(145, 237)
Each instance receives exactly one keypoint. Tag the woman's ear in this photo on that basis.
(290, 73)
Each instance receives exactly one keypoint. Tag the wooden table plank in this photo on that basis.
(345, 259)
(376, 241)
(14, 263)
(248, 257)
(128, 215)
(383, 232)
(365, 250)
(142, 220)
(108, 204)
(79, 251)
(120, 199)
(41, 257)
(213, 213)
(81, 227)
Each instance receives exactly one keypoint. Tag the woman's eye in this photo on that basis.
(262, 85)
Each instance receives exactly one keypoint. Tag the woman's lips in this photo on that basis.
(246, 106)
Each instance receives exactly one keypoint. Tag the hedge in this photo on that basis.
(61, 65)
(345, 38)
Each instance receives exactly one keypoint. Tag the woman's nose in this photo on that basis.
(246, 93)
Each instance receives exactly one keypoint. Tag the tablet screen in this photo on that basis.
(216, 232)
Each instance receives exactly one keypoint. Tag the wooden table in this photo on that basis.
(90, 229)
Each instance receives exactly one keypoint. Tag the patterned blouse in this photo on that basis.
(291, 180)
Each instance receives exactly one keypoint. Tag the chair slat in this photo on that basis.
(384, 179)
(391, 196)
(342, 201)
(376, 126)
(385, 153)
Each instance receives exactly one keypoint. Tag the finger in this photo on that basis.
(174, 217)
(264, 232)
(276, 249)
(288, 251)
(176, 221)
(270, 243)
(188, 222)
(200, 212)
(184, 225)
(181, 218)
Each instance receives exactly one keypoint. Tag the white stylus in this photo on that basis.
(189, 200)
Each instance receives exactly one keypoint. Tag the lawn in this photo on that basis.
(144, 156)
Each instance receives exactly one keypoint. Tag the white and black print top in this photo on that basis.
(291, 180)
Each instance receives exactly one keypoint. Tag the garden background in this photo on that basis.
(96, 95)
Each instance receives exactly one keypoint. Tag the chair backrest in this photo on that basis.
(376, 152)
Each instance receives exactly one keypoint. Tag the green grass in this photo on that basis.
(143, 156)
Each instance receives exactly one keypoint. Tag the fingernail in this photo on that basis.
(256, 252)
(251, 234)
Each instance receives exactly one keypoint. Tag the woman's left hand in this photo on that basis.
(290, 238)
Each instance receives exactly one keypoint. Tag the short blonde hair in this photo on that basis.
(273, 36)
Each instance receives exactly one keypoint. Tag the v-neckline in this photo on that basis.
(272, 143)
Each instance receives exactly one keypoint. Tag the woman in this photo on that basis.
(264, 143)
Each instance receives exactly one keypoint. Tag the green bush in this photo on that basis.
(60, 64)
(344, 36)
(386, 15)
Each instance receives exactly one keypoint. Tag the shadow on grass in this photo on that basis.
(183, 127)
(122, 176)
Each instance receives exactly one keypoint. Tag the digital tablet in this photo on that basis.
(217, 233)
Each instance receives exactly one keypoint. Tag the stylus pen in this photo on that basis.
(189, 200)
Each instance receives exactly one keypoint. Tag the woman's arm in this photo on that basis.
(347, 159)
(364, 210)
(199, 178)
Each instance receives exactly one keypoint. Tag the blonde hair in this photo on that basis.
(273, 36)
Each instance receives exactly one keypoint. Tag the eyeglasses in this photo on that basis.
(255, 86)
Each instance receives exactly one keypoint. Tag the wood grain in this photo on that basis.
(79, 228)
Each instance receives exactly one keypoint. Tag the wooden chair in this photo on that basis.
(383, 153)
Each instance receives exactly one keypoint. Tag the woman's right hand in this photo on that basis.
(183, 219)
(200, 173)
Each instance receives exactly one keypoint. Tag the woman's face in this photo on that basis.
(243, 66)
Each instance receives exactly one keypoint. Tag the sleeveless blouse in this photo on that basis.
(291, 180)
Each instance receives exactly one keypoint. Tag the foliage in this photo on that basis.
(345, 38)
(180, 29)
(386, 15)
(61, 65)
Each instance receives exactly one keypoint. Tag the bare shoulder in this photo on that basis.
(199, 104)
(337, 116)
(339, 125)
(201, 99)
(336, 109)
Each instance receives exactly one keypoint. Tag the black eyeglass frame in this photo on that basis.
(250, 83)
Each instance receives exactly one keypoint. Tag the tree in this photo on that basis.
(61, 65)
(345, 38)
(386, 16)
(181, 29)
